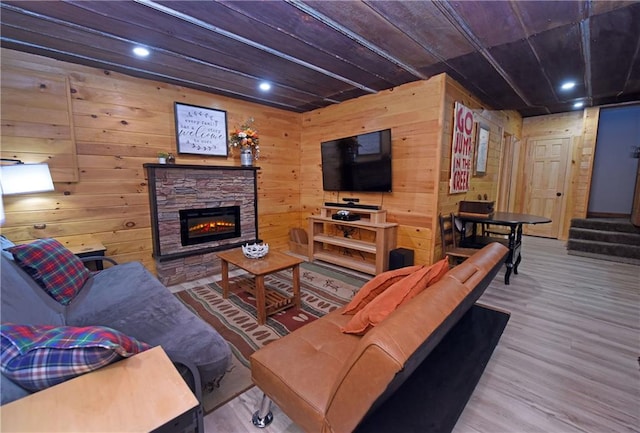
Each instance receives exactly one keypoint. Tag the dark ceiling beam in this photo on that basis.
(355, 37)
(103, 64)
(518, 15)
(204, 25)
(585, 33)
(451, 67)
(123, 67)
(318, 59)
(198, 61)
(636, 54)
(461, 25)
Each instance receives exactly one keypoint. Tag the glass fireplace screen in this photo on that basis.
(198, 226)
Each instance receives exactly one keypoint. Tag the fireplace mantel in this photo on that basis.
(197, 167)
(175, 187)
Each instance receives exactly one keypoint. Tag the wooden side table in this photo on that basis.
(267, 301)
(86, 246)
(137, 394)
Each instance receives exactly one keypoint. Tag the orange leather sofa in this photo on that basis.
(327, 381)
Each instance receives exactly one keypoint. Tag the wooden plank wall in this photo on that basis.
(585, 154)
(499, 122)
(413, 112)
(120, 123)
(581, 127)
(37, 121)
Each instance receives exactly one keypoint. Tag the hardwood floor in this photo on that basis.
(567, 361)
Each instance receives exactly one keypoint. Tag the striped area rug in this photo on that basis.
(322, 290)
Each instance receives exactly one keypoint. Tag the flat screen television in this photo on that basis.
(358, 163)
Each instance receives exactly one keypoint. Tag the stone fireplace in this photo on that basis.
(197, 210)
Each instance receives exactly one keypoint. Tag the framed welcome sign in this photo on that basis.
(201, 130)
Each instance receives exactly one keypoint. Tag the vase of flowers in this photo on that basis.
(246, 139)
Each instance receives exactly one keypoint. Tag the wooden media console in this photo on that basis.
(362, 245)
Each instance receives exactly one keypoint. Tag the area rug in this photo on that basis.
(322, 290)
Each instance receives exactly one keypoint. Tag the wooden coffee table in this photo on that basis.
(267, 301)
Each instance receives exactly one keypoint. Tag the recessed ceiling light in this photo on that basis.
(141, 51)
(568, 85)
(578, 104)
(264, 86)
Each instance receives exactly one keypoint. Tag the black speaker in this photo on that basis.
(400, 258)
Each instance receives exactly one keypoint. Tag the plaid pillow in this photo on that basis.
(37, 357)
(56, 269)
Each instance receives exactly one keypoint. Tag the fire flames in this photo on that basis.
(211, 227)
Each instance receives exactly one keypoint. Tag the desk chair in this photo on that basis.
(449, 237)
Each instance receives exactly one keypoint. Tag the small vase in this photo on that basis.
(162, 160)
(246, 157)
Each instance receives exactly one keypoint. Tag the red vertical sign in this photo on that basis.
(461, 149)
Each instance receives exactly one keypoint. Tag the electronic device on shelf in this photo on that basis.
(345, 215)
(353, 205)
(357, 163)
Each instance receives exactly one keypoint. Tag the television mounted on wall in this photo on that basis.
(360, 163)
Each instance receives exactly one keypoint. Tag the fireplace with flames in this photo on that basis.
(198, 226)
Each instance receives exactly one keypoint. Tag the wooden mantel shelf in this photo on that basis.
(198, 167)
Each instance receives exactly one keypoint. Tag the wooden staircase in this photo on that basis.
(614, 239)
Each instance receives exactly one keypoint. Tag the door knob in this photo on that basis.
(558, 194)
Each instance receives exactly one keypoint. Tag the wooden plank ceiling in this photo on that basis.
(512, 54)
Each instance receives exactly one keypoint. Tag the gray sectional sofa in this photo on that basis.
(124, 297)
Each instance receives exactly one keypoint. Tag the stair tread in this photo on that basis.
(614, 237)
(620, 225)
(609, 257)
(604, 231)
(604, 243)
(604, 248)
(623, 238)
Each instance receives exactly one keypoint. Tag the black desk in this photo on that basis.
(512, 220)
